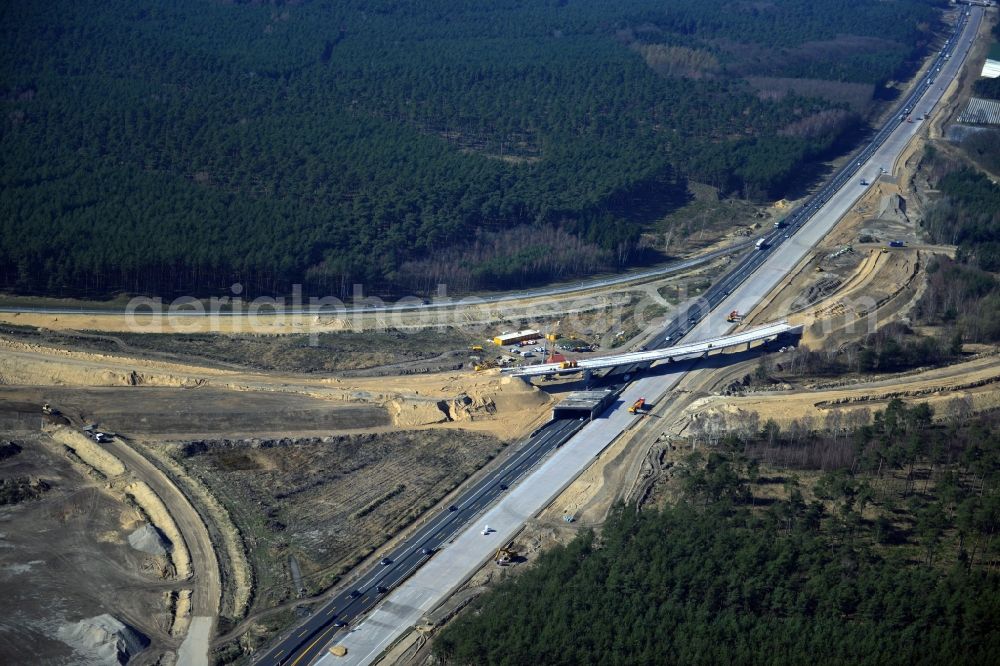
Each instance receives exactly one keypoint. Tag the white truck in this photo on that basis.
(761, 244)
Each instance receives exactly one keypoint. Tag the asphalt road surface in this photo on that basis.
(865, 166)
(748, 281)
(308, 640)
(408, 304)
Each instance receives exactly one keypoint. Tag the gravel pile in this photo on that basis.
(149, 540)
(103, 640)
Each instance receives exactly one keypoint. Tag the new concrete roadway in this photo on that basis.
(427, 586)
(306, 642)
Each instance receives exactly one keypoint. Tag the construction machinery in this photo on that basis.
(637, 406)
(477, 348)
(505, 555)
(485, 365)
(734, 316)
(565, 365)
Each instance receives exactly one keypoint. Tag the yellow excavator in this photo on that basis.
(505, 555)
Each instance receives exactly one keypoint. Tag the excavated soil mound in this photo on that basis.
(496, 396)
(411, 411)
(103, 640)
(513, 395)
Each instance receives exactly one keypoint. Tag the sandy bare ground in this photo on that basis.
(60, 555)
(470, 313)
(484, 401)
(883, 288)
(974, 385)
(186, 580)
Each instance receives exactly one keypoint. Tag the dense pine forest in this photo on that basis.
(177, 147)
(887, 555)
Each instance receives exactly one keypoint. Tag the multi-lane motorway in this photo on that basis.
(307, 640)
(753, 276)
(857, 167)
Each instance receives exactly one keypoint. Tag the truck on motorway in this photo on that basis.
(779, 224)
(761, 244)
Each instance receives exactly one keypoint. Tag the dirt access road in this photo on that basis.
(973, 383)
(207, 586)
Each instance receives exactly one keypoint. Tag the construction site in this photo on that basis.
(243, 479)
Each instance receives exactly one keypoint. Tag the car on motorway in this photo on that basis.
(453, 508)
(504, 486)
(381, 589)
(386, 561)
(355, 594)
(340, 623)
(427, 551)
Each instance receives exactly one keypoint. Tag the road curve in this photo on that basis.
(408, 304)
(760, 272)
(206, 584)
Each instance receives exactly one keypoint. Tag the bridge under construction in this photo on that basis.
(685, 351)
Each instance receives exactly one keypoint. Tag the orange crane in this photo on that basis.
(637, 406)
(734, 316)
